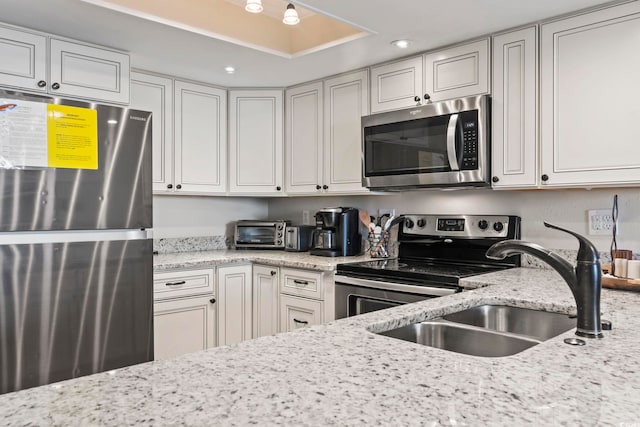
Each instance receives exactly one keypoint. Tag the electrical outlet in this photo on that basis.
(600, 222)
(306, 218)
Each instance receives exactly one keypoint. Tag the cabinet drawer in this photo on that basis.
(296, 313)
(176, 284)
(302, 283)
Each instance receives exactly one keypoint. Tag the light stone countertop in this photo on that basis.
(342, 374)
(173, 261)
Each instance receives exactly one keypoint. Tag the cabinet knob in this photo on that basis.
(179, 186)
(212, 300)
(427, 97)
(169, 186)
(55, 86)
(318, 187)
(545, 177)
(278, 188)
(416, 98)
(495, 179)
(42, 83)
(273, 273)
(325, 187)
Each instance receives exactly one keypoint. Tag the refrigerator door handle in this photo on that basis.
(37, 237)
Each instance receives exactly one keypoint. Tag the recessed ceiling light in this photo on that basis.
(291, 15)
(230, 70)
(253, 6)
(401, 44)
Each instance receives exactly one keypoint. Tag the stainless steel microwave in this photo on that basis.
(440, 144)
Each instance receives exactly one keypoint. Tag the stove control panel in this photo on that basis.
(468, 226)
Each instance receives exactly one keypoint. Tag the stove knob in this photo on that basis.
(498, 226)
(483, 224)
(408, 223)
(421, 222)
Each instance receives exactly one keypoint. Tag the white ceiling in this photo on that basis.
(156, 47)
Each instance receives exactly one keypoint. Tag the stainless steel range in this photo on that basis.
(435, 252)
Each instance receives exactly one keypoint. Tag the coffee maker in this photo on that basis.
(336, 232)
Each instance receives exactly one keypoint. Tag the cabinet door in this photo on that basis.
(200, 138)
(155, 94)
(24, 60)
(345, 102)
(298, 313)
(303, 151)
(395, 85)
(183, 326)
(514, 105)
(458, 71)
(589, 92)
(255, 141)
(265, 300)
(89, 72)
(235, 304)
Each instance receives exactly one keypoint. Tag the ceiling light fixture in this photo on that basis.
(291, 15)
(253, 6)
(230, 70)
(401, 44)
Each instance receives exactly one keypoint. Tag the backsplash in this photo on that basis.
(190, 244)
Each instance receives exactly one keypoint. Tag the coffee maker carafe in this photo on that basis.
(336, 232)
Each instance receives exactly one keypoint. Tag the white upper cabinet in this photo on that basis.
(85, 71)
(24, 59)
(255, 141)
(200, 138)
(155, 94)
(514, 109)
(589, 98)
(458, 71)
(304, 139)
(396, 85)
(345, 102)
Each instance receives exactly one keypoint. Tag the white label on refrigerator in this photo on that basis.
(23, 134)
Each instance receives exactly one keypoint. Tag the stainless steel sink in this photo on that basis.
(541, 325)
(486, 330)
(461, 339)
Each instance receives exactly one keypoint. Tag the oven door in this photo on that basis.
(355, 296)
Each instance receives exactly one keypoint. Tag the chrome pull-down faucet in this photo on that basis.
(584, 280)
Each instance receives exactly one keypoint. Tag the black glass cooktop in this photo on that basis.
(414, 271)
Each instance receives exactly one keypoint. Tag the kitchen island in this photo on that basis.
(343, 374)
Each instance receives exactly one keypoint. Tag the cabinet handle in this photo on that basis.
(212, 300)
(182, 282)
(302, 322)
(178, 186)
(300, 282)
(169, 186)
(495, 179)
(273, 273)
(325, 187)
(416, 98)
(42, 83)
(318, 187)
(427, 97)
(278, 188)
(545, 177)
(55, 86)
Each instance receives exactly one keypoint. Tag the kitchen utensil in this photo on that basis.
(393, 221)
(363, 214)
(614, 243)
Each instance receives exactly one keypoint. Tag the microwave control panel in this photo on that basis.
(469, 140)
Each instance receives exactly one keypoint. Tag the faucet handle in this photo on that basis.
(587, 251)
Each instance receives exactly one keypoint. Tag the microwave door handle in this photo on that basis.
(452, 153)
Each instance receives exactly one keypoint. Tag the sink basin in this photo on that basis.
(486, 330)
(461, 339)
(540, 325)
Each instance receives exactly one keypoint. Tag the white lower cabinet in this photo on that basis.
(235, 304)
(296, 312)
(184, 312)
(265, 300)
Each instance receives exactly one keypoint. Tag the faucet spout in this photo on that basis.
(584, 280)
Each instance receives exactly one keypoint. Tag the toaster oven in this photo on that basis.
(260, 234)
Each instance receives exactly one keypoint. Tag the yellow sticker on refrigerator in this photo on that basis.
(72, 137)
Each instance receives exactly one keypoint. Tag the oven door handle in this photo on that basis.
(389, 286)
(452, 152)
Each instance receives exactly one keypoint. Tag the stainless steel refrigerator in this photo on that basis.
(75, 242)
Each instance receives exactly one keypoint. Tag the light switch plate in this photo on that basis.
(600, 222)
